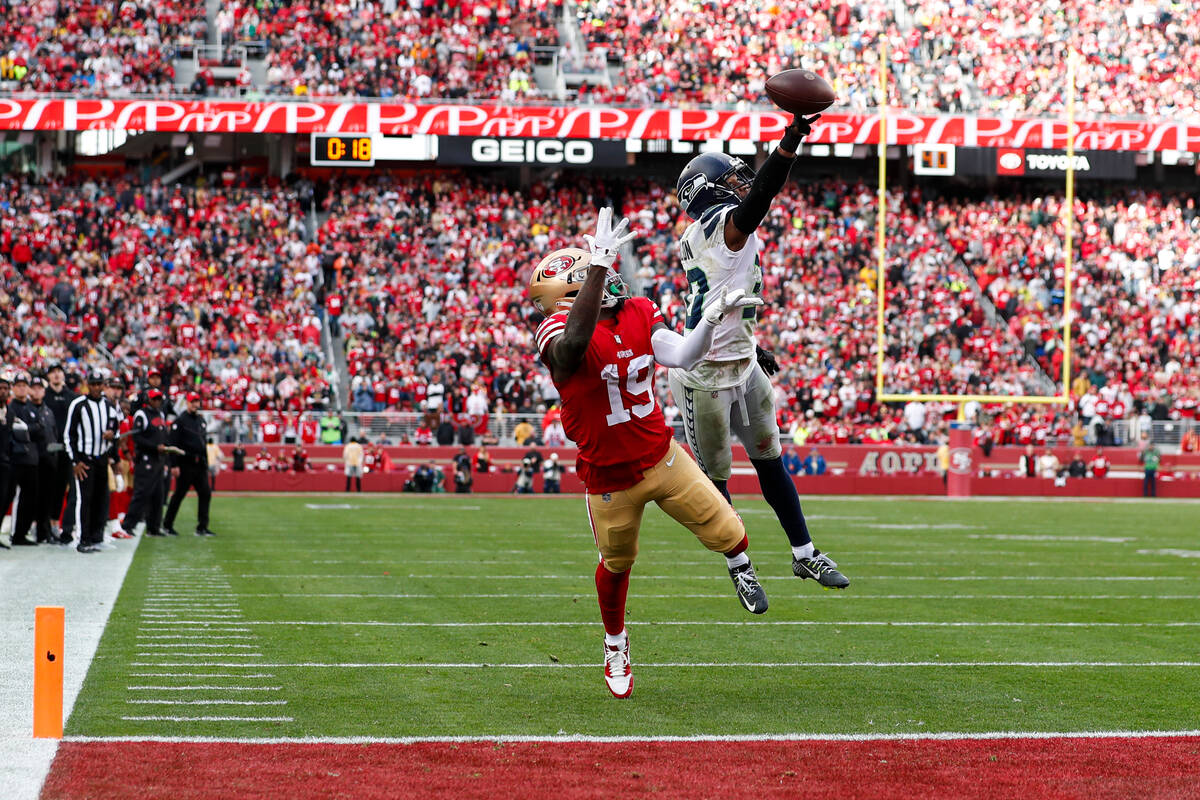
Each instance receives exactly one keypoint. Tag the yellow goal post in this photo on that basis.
(1068, 215)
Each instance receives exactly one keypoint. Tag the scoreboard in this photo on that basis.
(342, 150)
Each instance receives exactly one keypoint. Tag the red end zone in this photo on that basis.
(1083, 768)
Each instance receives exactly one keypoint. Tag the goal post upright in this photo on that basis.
(881, 219)
(1063, 398)
(1069, 225)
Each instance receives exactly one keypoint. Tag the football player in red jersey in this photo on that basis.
(601, 347)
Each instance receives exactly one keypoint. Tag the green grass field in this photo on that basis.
(966, 617)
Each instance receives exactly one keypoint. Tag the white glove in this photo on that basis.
(606, 244)
(725, 301)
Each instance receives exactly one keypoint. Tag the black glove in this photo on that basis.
(766, 360)
(792, 134)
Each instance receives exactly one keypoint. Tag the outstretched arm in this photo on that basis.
(745, 219)
(566, 352)
(673, 350)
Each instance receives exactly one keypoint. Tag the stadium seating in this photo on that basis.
(215, 286)
(96, 49)
(436, 49)
(1006, 57)
(220, 286)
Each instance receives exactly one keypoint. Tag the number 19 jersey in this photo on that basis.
(608, 404)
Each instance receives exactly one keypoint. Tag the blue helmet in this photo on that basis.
(711, 179)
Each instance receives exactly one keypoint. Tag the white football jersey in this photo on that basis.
(710, 265)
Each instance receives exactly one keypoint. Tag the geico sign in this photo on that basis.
(1057, 163)
(898, 462)
(532, 151)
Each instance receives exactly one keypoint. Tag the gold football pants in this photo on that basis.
(680, 489)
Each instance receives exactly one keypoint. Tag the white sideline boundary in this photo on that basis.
(554, 665)
(572, 738)
(87, 587)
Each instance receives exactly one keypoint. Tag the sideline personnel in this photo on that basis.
(150, 443)
(88, 439)
(190, 435)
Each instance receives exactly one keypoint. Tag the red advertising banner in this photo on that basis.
(575, 122)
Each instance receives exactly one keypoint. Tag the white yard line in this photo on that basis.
(197, 644)
(192, 637)
(573, 738)
(200, 675)
(87, 587)
(200, 655)
(839, 597)
(702, 623)
(208, 719)
(207, 702)
(726, 578)
(203, 688)
(716, 664)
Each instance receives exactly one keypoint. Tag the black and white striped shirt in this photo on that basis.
(87, 420)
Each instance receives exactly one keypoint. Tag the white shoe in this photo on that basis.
(618, 672)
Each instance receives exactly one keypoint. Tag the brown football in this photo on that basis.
(800, 91)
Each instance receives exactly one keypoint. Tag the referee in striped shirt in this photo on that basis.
(90, 431)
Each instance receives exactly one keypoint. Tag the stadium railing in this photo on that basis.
(401, 427)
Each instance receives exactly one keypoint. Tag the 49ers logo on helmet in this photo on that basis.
(558, 265)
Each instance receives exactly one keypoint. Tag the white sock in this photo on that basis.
(804, 551)
(614, 641)
(739, 560)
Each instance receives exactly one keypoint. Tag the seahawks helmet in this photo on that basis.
(711, 179)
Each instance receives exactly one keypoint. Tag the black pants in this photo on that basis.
(24, 487)
(1150, 483)
(87, 502)
(149, 491)
(45, 514)
(190, 476)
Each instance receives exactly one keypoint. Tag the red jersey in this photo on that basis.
(608, 405)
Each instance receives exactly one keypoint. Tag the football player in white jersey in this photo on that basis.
(729, 392)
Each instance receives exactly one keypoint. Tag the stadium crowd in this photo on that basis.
(1009, 57)
(412, 50)
(213, 286)
(96, 48)
(218, 287)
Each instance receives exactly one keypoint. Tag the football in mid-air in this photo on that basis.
(800, 91)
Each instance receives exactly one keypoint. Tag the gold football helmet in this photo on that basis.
(558, 277)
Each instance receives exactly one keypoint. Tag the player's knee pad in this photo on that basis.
(718, 526)
(619, 556)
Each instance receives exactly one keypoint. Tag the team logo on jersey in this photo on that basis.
(558, 265)
(606, 497)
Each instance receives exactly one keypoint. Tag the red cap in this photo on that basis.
(193, 397)
(154, 394)
(153, 371)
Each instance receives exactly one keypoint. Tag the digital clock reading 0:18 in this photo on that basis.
(332, 150)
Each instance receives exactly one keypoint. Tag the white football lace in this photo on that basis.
(617, 661)
(746, 580)
(825, 559)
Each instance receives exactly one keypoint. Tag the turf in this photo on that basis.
(456, 559)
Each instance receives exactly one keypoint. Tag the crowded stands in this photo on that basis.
(213, 285)
(96, 49)
(449, 49)
(423, 278)
(1007, 58)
